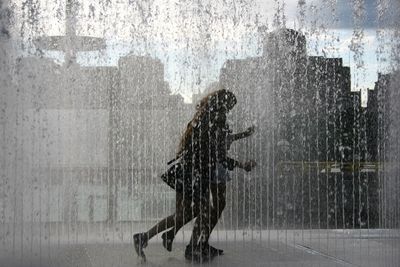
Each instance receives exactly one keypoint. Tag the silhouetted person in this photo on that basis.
(218, 189)
(214, 144)
(202, 149)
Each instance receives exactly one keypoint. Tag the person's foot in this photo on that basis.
(167, 241)
(196, 254)
(140, 242)
(215, 251)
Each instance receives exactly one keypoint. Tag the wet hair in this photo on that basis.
(218, 101)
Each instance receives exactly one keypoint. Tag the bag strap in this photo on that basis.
(173, 160)
(176, 158)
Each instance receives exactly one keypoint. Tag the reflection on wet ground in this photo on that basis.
(255, 248)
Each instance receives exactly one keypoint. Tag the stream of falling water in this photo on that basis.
(95, 96)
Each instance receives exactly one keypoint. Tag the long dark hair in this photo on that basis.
(218, 101)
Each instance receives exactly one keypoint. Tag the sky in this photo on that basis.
(194, 39)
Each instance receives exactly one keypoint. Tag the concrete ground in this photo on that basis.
(242, 248)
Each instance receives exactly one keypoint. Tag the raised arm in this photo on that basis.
(237, 136)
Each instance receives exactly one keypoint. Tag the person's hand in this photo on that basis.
(250, 130)
(249, 165)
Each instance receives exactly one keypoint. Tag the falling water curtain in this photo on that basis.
(95, 96)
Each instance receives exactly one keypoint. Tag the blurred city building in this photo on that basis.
(382, 122)
(101, 136)
(104, 135)
(315, 136)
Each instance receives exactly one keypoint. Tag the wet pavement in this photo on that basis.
(242, 248)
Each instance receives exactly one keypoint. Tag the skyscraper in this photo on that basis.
(307, 114)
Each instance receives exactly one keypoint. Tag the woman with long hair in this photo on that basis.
(203, 146)
(217, 189)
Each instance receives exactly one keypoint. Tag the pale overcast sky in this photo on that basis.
(194, 40)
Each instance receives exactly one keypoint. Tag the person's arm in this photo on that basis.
(247, 165)
(232, 163)
(237, 136)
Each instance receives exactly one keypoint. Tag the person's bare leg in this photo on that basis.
(199, 240)
(141, 239)
(188, 212)
(218, 205)
(161, 226)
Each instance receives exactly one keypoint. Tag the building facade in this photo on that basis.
(310, 139)
(91, 142)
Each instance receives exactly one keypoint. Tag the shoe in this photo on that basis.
(214, 251)
(140, 242)
(196, 255)
(167, 242)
